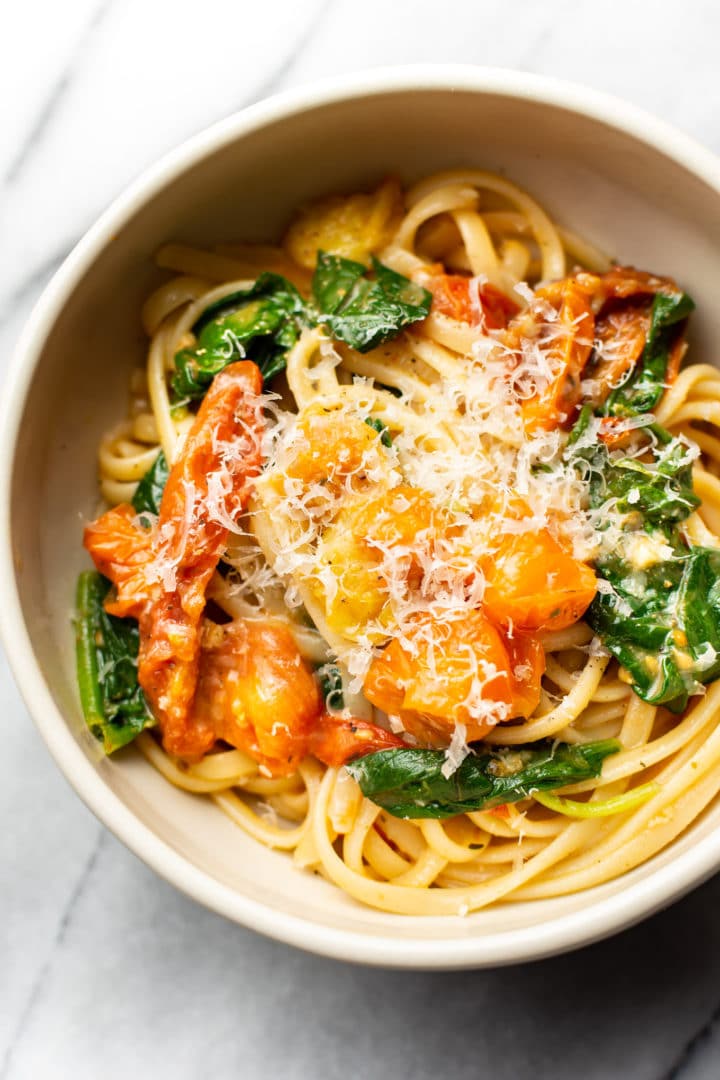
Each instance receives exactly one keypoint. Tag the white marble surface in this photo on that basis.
(105, 971)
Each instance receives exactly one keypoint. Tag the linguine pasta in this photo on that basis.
(449, 431)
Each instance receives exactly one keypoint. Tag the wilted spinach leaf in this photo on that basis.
(410, 783)
(645, 383)
(113, 703)
(658, 609)
(260, 323)
(149, 492)
(263, 322)
(361, 311)
(331, 686)
(663, 624)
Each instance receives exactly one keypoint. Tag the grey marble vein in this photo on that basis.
(292, 54)
(535, 44)
(147, 980)
(67, 914)
(55, 96)
(698, 1058)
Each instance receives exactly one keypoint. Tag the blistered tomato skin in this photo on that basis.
(257, 693)
(452, 296)
(161, 574)
(337, 740)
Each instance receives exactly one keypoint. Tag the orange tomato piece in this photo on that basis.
(452, 673)
(527, 666)
(452, 296)
(404, 517)
(353, 226)
(620, 336)
(677, 353)
(223, 445)
(210, 481)
(122, 551)
(334, 740)
(330, 445)
(624, 282)
(614, 432)
(256, 692)
(566, 342)
(623, 299)
(161, 574)
(533, 584)
(354, 545)
(602, 318)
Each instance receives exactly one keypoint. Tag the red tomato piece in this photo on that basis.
(527, 666)
(566, 341)
(452, 296)
(620, 337)
(161, 574)
(335, 741)
(122, 551)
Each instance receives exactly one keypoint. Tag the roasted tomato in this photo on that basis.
(452, 296)
(560, 324)
(354, 226)
(533, 584)
(209, 483)
(620, 336)
(123, 552)
(330, 446)
(527, 665)
(334, 740)
(442, 675)
(623, 283)
(256, 692)
(623, 299)
(355, 547)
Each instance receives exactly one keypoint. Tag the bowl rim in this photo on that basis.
(600, 917)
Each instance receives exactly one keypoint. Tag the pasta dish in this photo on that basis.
(410, 555)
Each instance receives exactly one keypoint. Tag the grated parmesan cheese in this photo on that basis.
(456, 752)
(465, 446)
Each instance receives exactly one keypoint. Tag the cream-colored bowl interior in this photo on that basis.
(243, 182)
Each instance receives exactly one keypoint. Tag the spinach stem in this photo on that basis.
(618, 804)
(89, 599)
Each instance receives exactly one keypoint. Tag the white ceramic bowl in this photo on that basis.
(623, 179)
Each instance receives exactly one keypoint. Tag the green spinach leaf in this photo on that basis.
(377, 425)
(331, 687)
(261, 323)
(663, 624)
(644, 385)
(656, 487)
(363, 312)
(659, 491)
(149, 492)
(113, 703)
(658, 606)
(409, 783)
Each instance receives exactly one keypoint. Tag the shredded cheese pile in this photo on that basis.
(465, 447)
